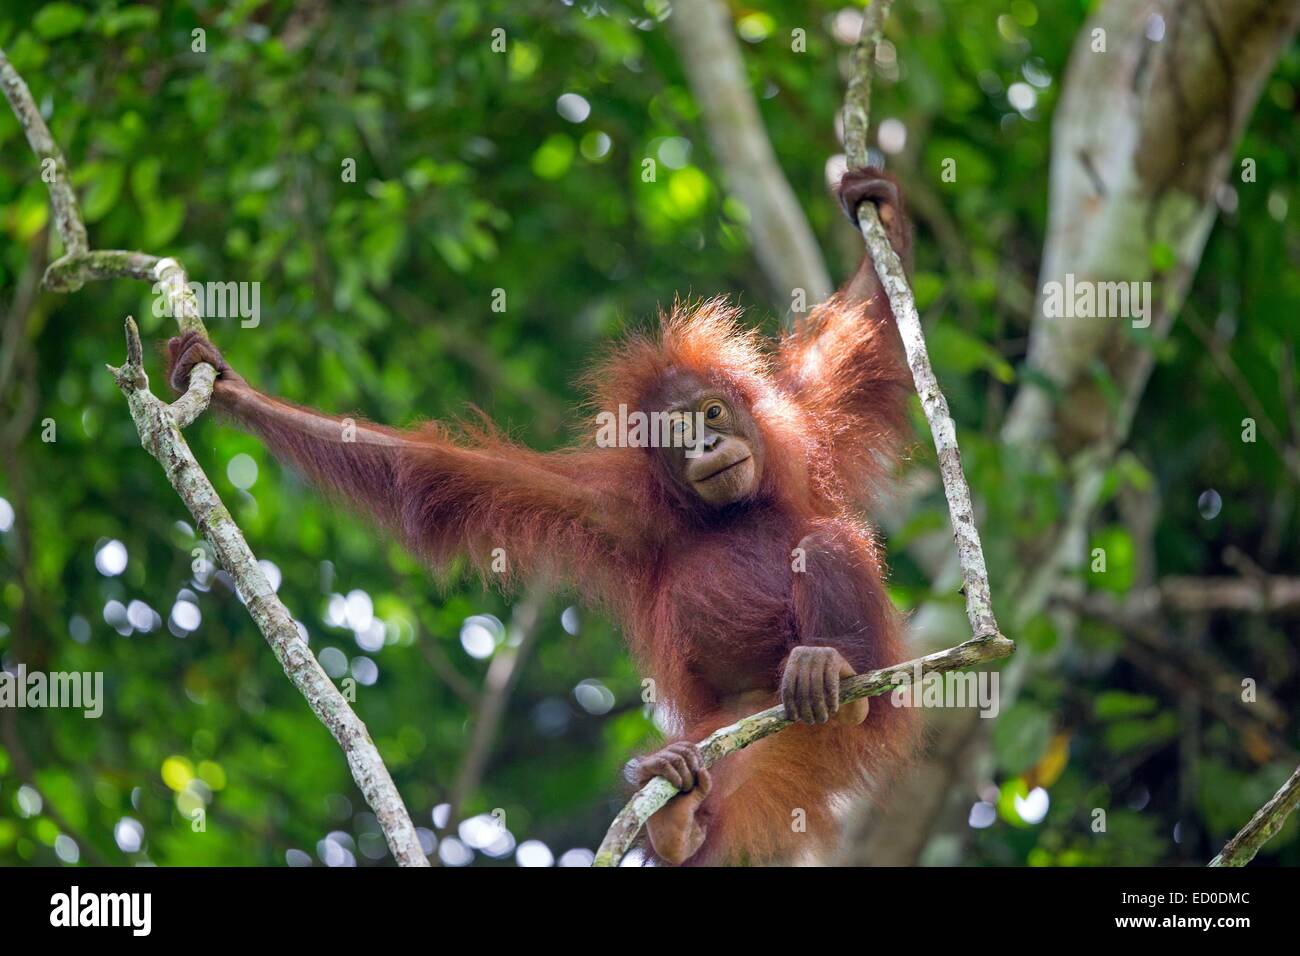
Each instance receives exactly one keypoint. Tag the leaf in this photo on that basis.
(145, 174)
(1007, 794)
(102, 190)
(1112, 704)
(56, 20)
(452, 251)
(1021, 737)
(1127, 735)
(554, 157)
(926, 289)
(162, 222)
(1048, 770)
(689, 190)
(380, 250)
(135, 17)
(1116, 547)
(956, 350)
(29, 215)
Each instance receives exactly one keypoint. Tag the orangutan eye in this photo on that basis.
(715, 411)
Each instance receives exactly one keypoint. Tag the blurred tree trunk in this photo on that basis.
(783, 241)
(1143, 139)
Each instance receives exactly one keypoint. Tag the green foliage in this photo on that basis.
(376, 295)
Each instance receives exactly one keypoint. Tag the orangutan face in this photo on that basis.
(718, 456)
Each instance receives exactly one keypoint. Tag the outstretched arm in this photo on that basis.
(845, 361)
(511, 510)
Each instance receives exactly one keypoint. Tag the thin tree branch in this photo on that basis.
(74, 270)
(160, 427)
(546, 411)
(14, 341)
(26, 772)
(1222, 358)
(737, 736)
(1186, 669)
(970, 553)
(1191, 594)
(1263, 826)
(445, 670)
(19, 400)
(857, 95)
(502, 675)
(160, 434)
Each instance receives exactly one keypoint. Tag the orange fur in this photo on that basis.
(709, 601)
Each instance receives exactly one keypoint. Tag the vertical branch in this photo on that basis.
(160, 434)
(970, 553)
(160, 427)
(857, 95)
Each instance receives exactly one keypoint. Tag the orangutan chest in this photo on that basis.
(729, 599)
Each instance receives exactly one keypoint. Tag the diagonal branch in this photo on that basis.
(503, 673)
(738, 736)
(160, 427)
(1263, 826)
(54, 170)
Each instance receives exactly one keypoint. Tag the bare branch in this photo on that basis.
(160, 427)
(1222, 359)
(1263, 826)
(445, 670)
(1194, 594)
(1187, 669)
(160, 434)
(1271, 594)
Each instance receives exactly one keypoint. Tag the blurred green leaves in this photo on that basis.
(376, 294)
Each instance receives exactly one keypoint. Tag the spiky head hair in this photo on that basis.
(706, 339)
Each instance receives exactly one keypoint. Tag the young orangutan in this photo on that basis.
(738, 566)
